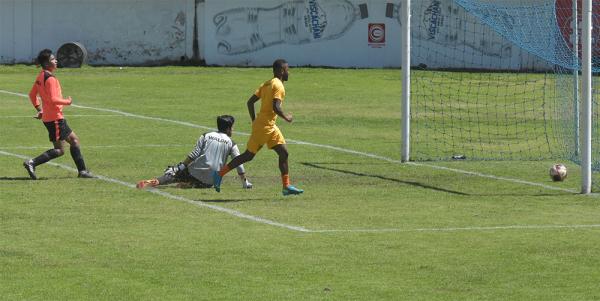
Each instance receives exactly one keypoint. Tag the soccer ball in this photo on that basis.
(558, 172)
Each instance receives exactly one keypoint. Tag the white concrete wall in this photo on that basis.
(113, 31)
(230, 32)
(15, 31)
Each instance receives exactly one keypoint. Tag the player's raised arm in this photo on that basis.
(253, 99)
(277, 109)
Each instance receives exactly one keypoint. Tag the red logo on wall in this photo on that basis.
(376, 34)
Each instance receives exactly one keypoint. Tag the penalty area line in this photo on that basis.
(335, 148)
(179, 198)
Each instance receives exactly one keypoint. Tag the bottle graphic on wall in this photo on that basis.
(437, 21)
(248, 29)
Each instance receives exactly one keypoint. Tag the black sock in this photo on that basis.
(77, 157)
(46, 156)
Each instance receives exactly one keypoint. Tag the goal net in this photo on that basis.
(496, 80)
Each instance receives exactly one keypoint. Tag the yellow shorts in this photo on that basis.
(270, 135)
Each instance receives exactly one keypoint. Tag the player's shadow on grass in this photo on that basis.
(228, 201)
(384, 178)
(29, 179)
(15, 178)
(38, 179)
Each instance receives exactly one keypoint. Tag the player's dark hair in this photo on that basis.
(278, 65)
(43, 58)
(225, 122)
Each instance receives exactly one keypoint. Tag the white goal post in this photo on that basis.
(405, 80)
(586, 92)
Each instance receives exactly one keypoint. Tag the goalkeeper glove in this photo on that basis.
(246, 185)
(173, 170)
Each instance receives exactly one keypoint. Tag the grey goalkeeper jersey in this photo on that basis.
(210, 154)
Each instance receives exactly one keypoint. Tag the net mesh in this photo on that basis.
(495, 80)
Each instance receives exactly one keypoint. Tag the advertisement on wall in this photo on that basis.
(309, 32)
(340, 33)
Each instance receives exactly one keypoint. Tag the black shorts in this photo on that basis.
(186, 177)
(58, 130)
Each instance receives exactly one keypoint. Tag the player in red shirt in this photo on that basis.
(48, 89)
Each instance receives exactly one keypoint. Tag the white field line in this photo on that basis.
(344, 150)
(478, 174)
(179, 198)
(374, 156)
(466, 172)
(127, 114)
(460, 229)
(70, 115)
(305, 230)
(101, 146)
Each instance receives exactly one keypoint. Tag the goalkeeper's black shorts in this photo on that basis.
(185, 176)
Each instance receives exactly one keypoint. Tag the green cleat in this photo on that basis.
(290, 189)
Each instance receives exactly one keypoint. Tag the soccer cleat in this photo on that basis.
(290, 189)
(217, 180)
(85, 174)
(146, 183)
(30, 169)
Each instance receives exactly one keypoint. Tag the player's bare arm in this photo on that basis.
(277, 109)
(39, 113)
(253, 99)
(36, 101)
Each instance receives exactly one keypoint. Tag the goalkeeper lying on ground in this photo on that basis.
(210, 154)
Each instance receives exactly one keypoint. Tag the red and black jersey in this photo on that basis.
(48, 88)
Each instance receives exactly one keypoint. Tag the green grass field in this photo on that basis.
(367, 227)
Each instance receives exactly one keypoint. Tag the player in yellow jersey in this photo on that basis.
(264, 130)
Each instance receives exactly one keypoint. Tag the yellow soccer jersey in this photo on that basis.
(268, 91)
